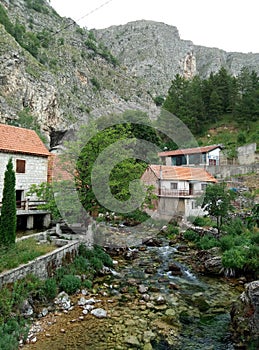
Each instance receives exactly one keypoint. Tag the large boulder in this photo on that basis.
(245, 315)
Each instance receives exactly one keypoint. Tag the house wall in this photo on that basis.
(214, 154)
(36, 170)
(182, 185)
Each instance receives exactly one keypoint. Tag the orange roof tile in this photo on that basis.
(185, 151)
(20, 140)
(181, 173)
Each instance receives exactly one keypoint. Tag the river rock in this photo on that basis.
(82, 301)
(245, 313)
(142, 289)
(160, 300)
(174, 269)
(152, 242)
(99, 313)
(132, 340)
(26, 309)
(63, 301)
(214, 265)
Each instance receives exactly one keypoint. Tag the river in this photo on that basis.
(153, 301)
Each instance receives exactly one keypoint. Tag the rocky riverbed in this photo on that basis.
(151, 300)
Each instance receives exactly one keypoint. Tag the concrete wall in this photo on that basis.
(36, 171)
(246, 154)
(43, 266)
(225, 171)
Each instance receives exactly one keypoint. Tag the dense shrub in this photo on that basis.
(202, 221)
(70, 284)
(234, 258)
(191, 236)
(207, 242)
(50, 288)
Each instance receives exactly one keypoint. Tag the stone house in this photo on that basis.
(198, 156)
(177, 189)
(29, 155)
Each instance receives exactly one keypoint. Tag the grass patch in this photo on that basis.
(23, 252)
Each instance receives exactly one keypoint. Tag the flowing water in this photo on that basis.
(194, 314)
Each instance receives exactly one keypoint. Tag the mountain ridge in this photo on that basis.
(63, 75)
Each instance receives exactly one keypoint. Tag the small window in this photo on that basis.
(173, 185)
(20, 166)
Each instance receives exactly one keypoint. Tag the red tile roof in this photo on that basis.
(20, 140)
(185, 151)
(181, 173)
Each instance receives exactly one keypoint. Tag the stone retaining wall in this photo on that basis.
(43, 266)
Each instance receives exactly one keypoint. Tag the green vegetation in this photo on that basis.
(92, 142)
(217, 202)
(44, 192)
(22, 252)
(37, 5)
(239, 245)
(199, 103)
(13, 326)
(28, 40)
(70, 284)
(8, 210)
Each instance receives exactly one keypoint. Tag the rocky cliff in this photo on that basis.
(63, 75)
(59, 72)
(155, 53)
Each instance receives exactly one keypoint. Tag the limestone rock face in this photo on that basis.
(155, 53)
(69, 74)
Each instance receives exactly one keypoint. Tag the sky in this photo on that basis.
(231, 25)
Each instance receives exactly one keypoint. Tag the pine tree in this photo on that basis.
(8, 211)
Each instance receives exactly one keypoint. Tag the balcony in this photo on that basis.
(179, 193)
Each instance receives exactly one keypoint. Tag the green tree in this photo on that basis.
(217, 202)
(8, 211)
(115, 171)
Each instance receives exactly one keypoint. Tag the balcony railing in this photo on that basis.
(27, 205)
(179, 193)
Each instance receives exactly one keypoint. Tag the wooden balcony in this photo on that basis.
(27, 205)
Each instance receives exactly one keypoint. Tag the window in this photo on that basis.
(173, 185)
(20, 166)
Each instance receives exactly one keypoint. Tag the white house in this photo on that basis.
(177, 188)
(198, 156)
(29, 156)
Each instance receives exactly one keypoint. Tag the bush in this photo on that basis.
(96, 263)
(50, 288)
(191, 236)
(87, 284)
(234, 258)
(207, 242)
(81, 264)
(202, 221)
(10, 334)
(103, 256)
(70, 284)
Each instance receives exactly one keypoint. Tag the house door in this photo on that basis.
(190, 189)
(19, 198)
